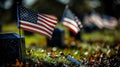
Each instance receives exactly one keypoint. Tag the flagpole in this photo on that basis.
(18, 21)
(20, 50)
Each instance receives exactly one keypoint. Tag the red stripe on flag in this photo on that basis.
(49, 16)
(46, 26)
(71, 29)
(36, 32)
(70, 23)
(48, 20)
(32, 26)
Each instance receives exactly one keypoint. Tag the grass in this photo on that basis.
(40, 50)
(96, 35)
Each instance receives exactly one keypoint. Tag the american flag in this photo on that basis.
(38, 23)
(96, 19)
(109, 22)
(71, 21)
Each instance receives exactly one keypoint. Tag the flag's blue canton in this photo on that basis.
(28, 15)
(69, 14)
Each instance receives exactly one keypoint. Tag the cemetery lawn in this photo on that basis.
(38, 46)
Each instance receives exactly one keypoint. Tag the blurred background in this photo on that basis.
(94, 36)
(56, 7)
(84, 9)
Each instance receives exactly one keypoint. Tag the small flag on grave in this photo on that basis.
(71, 21)
(32, 21)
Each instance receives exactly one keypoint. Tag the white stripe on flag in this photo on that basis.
(51, 16)
(32, 27)
(47, 18)
(47, 26)
(37, 30)
(71, 26)
(51, 24)
(71, 21)
(36, 25)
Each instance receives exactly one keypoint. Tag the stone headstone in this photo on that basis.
(57, 38)
(11, 48)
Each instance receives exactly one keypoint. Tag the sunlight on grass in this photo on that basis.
(37, 39)
(6, 28)
(96, 36)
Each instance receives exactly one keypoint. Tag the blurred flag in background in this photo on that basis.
(71, 21)
(109, 22)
